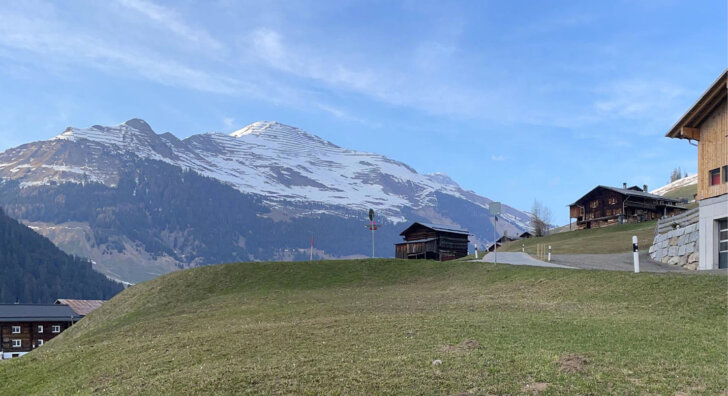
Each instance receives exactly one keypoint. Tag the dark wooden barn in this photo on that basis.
(432, 241)
(603, 206)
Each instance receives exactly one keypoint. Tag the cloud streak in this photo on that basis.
(169, 20)
(382, 83)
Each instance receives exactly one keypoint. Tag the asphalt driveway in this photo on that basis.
(518, 258)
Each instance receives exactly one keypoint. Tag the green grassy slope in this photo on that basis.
(686, 192)
(612, 239)
(375, 326)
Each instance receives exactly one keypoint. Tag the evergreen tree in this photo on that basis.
(34, 270)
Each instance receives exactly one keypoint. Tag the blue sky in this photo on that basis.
(516, 100)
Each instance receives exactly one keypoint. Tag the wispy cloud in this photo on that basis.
(173, 22)
(497, 158)
(637, 98)
(384, 83)
(64, 45)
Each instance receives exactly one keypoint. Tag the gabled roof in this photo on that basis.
(525, 233)
(81, 307)
(417, 241)
(631, 192)
(701, 109)
(437, 227)
(37, 313)
(506, 238)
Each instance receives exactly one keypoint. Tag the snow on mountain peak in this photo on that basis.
(139, 125)
(439, 177)
(275, 131)
(258, 128)
(285, 164)
(133, 129)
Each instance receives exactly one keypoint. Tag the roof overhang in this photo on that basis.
(687, 126)
(16, 319)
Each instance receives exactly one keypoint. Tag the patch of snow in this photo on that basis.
(685, 181)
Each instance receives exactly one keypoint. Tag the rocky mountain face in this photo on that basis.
(141, 204)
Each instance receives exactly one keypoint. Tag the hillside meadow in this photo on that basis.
(606, 240)
(377, 326)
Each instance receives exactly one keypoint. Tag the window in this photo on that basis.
(16, 329)
(725, 174)
(714, 177)
(56, 328)
(612, 201)
(40, 329)
(40, 342)
(17, 343)
(593, 204)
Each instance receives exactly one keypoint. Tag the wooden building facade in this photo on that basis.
(24, 327)
(604, 206)
(433, 242)
(706, 123)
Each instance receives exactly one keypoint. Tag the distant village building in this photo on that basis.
(24, 327)
(604, 206)
(525, 235)
(505, 239)
(432, 241)
(81, 307)
(493, 246)
(707, 124)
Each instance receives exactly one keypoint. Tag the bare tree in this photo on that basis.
(540, 219)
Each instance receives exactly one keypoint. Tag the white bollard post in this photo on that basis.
(476, 251)
(523, 248)
(636, 254)
(549, 260)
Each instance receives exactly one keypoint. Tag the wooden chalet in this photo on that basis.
(493, 246)
(432, 241)
(525, 235)
(705, 124)
(604, 206)
(505, 239)
(24, 327)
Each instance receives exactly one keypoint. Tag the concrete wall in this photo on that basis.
(711, 210)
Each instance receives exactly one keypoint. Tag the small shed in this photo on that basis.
(432, 241)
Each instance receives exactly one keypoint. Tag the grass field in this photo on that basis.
(612, 239)
(376, 326)
(686, 192)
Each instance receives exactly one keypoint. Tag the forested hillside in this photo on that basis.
(33, 270)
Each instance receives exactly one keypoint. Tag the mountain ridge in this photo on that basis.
(295, 182)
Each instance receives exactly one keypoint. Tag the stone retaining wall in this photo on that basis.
(678, 246)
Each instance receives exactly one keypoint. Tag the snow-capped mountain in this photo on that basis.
(290, 173)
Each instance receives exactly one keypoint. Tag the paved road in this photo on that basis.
(611, 262)
(619, 262)
(518, 258)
